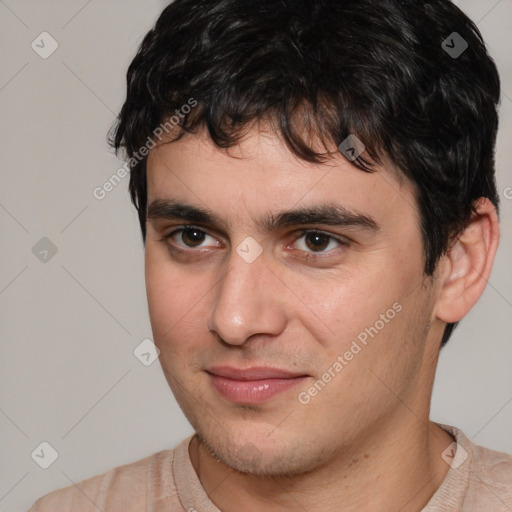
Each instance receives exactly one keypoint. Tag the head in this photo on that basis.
(244, 108)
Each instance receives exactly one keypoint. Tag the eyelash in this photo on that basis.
(302, 233)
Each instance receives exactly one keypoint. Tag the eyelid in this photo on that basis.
(342, 241)
(339, 238)
(177, 229)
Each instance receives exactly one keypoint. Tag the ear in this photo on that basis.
(467, 264)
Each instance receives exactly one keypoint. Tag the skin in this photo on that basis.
(365, 441)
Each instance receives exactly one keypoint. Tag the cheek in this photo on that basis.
(344, 306)
(167, 294)
(159, 294)
(176, 303)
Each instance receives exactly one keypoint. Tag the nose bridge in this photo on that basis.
(244, 304)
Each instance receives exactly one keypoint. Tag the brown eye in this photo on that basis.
(318, 241)
(192, 237)
(187, 237)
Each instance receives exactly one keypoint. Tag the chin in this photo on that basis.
(262, 458)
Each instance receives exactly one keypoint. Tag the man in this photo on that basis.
(315, 187)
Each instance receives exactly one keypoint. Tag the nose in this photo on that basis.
(246, 301)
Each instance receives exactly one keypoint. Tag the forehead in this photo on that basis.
(261, 174)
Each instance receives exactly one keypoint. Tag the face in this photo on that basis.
(340, 304)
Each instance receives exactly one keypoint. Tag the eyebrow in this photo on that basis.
(328, 214)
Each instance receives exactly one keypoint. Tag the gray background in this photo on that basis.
(69, 325)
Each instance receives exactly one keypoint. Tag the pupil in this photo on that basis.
(317, 236)
(196, 237)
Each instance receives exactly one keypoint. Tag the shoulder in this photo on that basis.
(487, 475)
(123, 488)
(492, 471)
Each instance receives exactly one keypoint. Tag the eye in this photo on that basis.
(315, 242)
(318, 242)
(191, 236)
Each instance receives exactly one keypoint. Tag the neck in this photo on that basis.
(393, 469)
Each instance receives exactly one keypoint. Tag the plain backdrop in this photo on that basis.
(72, 316)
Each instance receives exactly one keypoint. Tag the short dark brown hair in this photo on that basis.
(383, 70)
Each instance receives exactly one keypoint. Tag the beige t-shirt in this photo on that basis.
(166, 481)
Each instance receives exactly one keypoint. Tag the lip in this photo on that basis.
(253, 373)
(252, 385)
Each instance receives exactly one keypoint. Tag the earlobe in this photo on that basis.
(468, 264)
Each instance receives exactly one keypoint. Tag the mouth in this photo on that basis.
(252, 385)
